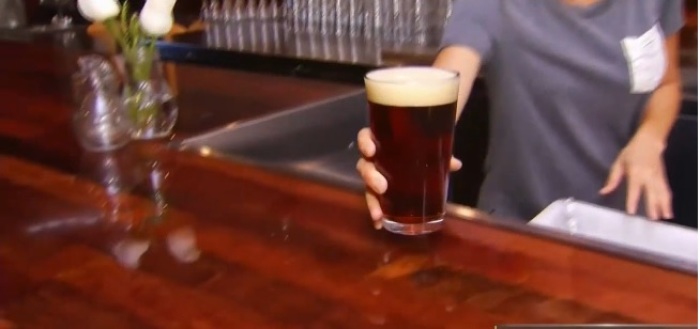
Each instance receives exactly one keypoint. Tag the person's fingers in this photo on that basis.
(667, 205)
(365, 143)
(634, 190)
(455, 164)
(652, 202)
(375, 182)
(372, 178)
(665, 199)
(375, 210)
(614, 178)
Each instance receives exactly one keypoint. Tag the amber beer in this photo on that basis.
(412, 114)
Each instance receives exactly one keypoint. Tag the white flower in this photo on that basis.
(155, 23)
(157, 17)
(98, 10)
(163, 6)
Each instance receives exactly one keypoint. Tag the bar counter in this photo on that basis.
(153, 237)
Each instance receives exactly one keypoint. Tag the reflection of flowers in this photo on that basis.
(117, 173)
(182, 244)
(129, 251)
(156, 232)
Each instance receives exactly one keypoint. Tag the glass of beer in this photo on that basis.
(412, 113)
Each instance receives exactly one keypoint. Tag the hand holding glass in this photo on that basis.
(412, 119)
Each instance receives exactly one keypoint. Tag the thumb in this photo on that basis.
(614, 179)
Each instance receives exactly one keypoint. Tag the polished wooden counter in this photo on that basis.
(149, 237)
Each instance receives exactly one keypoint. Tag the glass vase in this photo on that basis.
(146, 95)
(99, 121)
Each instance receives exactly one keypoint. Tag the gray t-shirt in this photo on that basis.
(567, 87)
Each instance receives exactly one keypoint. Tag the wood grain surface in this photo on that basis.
(148, 237)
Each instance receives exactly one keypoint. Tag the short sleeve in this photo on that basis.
(471, 25)
(671, 17)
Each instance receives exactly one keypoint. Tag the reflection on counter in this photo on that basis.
(136, 225)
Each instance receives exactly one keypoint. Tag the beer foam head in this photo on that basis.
(412, 86)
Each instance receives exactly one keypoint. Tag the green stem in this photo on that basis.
(115, 30)
(140, 63)
(138, 50)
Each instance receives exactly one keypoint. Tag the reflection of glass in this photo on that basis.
(214, 10)
(157, 177)
(204, 12)
(372, 17)
(251, 9)
(239, 9)
(227, 10)
(397, 22)
(132, 185)
(412, 117)
(117, 173)
(12, 14)
(262, 10)
(60, 19)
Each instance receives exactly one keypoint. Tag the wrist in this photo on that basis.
(651, 138)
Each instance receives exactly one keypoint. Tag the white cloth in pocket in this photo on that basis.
(646, 59)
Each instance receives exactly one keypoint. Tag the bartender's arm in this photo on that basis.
(467, 62)
(641, 161)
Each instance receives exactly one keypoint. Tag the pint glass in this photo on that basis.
(412, 113)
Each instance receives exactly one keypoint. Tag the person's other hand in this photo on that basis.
(641, 162)
(374, 181)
